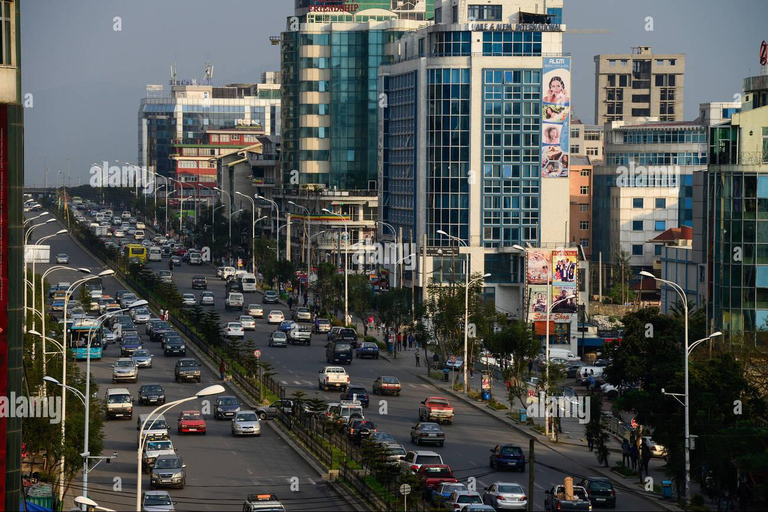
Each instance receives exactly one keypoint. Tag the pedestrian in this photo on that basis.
(290, 302)
(400, 341)
(590, 442)
(306, 299)
(167, 315)
(411, 339)
(417, 358)
(625, 453)
(646, 456)
(530, 365)
(222, 369)
(633, 455)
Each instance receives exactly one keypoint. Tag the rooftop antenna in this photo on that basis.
(174, 76)
(208, 73)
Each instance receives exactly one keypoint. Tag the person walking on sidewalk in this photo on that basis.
(633, 456)
(410, 341)
(590, 442)
(646, 456)
(417, 359)
(625, 453)
(400, 341)
(222, 369)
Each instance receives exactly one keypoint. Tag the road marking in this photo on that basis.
(312, 481)
(234, 453)
(297, 382)
(284, 383)
(249, 471)
(472, 463)
(308, 383)
(538, 486)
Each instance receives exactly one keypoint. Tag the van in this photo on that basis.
(562, 353)
(119, 403)
(338, 352)
(228, 273)
(156, 427)
(195, 258)
(155, 254)
(249, 283)
(138, 235)
(126, 215)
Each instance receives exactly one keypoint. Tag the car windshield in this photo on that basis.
(323, 322)
(396, 450)
(159, 445)
(429, 459)
(469, 498)
(162, 325)
(189, 296)
(246, 319)
(390, 380)
(511, 489)
(511, 450)
(438, 402)
(153, 500)
(167, 464)
(125, 363)
(191, 416)
(278, 335)
(151, 389)
(235, 325)
(119, 399)
(228, 401)
(250, 416)
(157, 424)
(342, 347)
(208, 294)
(141, 311)
(187, 363)
(600, 485)
(437, 471)
(383, 436)
(347, 332)
(453, 488)
(356, 391)
(141, 353)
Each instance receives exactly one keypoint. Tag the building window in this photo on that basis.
(235, 137)
(584, 242)
(6, 42)
(421, 47)
(575, 149)
(224, 138)
(214, 138)
(637, 249)
(483, 13)
(584, 190)
(574, 133)
(637, 225)
(438, 14)
(585, 173)
(661, 202)
(584, 225)
(455, 12)
(765, 145)
(657, 249)
(660, 225)
(583, 208)
(591, 135)
(593, 151)
(637, 202)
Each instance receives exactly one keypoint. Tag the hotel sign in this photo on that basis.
(332, 6)
(514, 27)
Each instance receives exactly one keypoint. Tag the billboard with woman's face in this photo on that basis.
(555, 117)
(538, 267)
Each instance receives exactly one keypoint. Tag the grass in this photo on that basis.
(498, 406)
(435, 375)
(623, 470)
(538, 428)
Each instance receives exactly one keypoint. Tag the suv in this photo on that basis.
(168, 471)
(263, 502)
(187, 369)
(119, 403)
(507, 456)
(153, 450)
(338, 352)
(342, 412)
(600, 491)
(199, 282)
(125, 369)
(346, 334)
(234, 301)
(271, 297)
(225, 407)
(195, 258)
(151, 394)
(414, 459)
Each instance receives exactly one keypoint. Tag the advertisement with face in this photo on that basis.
(561, 293)
(564, 264)
(537, 302)
(555, 117)
(538, 266)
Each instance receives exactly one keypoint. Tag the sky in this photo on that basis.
(83, 78)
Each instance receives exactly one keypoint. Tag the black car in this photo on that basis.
(600, 491)
(163, 336)
(360, 430)
(187, 369)
(151, 394)
(423, 433)
(225, 407)
(346, 334)
(157, 329)
(199, 282)
(356, 392)
(270, 411)
(174, 346)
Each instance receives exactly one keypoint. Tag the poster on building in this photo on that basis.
(555, 117)
(564, 298)
(564, 264)
(538, 267)
(537, 299)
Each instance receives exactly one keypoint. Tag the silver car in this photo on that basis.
(142, 358)
(246, 423)
(505, 496)
(124, 369)
(188, 299)
(206, 299)
(168, 471)
(157, 501)
(141, 315)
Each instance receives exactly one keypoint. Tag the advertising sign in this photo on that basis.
(559, 293)
(538, 266)
(555, 117)
(537, 301)
(564, 263)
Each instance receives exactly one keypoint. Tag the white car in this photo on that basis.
(188, 299)
(246, 423)
(207, 299)
(255, 310)
(275, 316)
(248, 322)
(119, 233)
(141, 315)
(141, 225)
(62, 259)
(234, 330)
(656, 449)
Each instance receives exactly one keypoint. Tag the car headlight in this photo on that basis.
(183, 347)
(177, 476)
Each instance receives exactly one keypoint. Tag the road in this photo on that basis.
(221, 469)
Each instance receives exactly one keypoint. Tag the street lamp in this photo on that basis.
(231, 213)
(346, 265)
(34, 260)
(679, 290)
(26, 240)
(35, 218)
(88, 502)
(307, 235)
(74, 390)
(253, 231)
(161, 409)
(277, 227)
(399, 281)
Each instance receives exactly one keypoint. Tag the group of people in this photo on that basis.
(634, 457)
(164, 314)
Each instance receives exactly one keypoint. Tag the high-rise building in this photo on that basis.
(634, 86)
(580, 225)
(474, 142)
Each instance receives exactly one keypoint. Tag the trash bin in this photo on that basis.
(666, 489)
(523, 415)
(446, 371)
(486, 394)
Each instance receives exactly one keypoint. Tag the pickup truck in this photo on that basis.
(436, 409)
(332, 376)
(234, 301)
(555, 499)
(300, 334)
(432, 475)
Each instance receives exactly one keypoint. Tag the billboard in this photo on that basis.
(559, 293)
(564, 265)
(555, 117)
(537, 299)
(538, 266)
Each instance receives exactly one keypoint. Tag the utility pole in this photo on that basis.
(531, 463)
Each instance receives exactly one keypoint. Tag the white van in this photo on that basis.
(562, 353)
(138, 235)
(155, 254)
(119, 403)
(228, 273)
(156, 428)
(248, 282)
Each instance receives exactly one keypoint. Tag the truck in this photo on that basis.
(555, 499)
(436, 409)
(332, 376)
(300, 334)
(37, 253)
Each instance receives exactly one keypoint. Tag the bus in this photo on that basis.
(135, 253)
(81, 330)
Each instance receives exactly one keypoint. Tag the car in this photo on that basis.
(263, 503)
(255, 310)
(359, 430)
(286, 326)
(153, 449)
(270, 411)
(427, 433)
(188, 299)
(175, 346)
(356, 392)
(504, 456)
(248, 322)
(459, 500)
(119, 233)
(157, 501)
(442, 492)
(505, 496)
(386, 385)
(151, 394)
(414, 459)
(271, 297)
(657, 450)
(393, 451)
(207, 299)
(321, 326)
(125, 369)
(164, 336)
(436, 408)
(187, 369)
(141, 315)
(302, 315)
(572, 369)
(195, 258)
(191, 422)
(432, 476)
(234, 301)
(176, 260)
(142, 358)
(246, 423)
(275, 317)
(342, 413)
(228, 273)
(168, 471)
(454, 363)
(367, 349)
(383, 437)
(199, 282)
(346, 334)
(107, 335)
(600, 491)
(225, 407)
(62, 259)
(278, 339)
(234, 330)
(165, 276)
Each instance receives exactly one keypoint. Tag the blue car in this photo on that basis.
(367, 349)
(443, 491)
(505, 456)
(356, 392)
(129, 345)
(285, 326)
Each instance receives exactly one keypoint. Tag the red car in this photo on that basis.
(432, 475)
(191, 422)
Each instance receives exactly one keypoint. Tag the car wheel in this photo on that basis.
(262, 416)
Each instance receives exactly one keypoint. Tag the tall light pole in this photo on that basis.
(35, 218)
(210, 390)
(26, 240)
(231, 213)
(399, 282)
(277, 228)
(168, 193)
(213, 221)
(346, 265)
(307, 234)
(34, 260)
(309, 254)
(253, 230)
(394, 234)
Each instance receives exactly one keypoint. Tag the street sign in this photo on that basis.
(405, 489)
(257, 353)
(442, 251)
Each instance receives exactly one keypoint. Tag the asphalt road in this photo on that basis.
(221, 469)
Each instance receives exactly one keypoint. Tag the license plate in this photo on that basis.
(166, 480)
(600, 499)
(153, 399)
(192, 429)
(432, 435)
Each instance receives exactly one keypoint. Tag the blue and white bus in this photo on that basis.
(79, 333)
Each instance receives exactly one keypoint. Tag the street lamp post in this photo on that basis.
(34, 260)
(277, 228)
(210, 390)
(231, 213)
(168, 193)
(307, 234)
(346, 265)
(26, 239)
(253, 230)
(550, 307)
(394, 234)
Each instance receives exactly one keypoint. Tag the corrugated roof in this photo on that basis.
(580, 160)
(675, 234)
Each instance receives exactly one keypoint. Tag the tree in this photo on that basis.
(284, 271)
(360, 298)
(517, 343)
(620, 291)
(329, 285)
(594, 429)
(393, 307)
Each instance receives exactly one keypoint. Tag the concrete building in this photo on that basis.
(580, 224)
(587, 139)
(634, 86)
